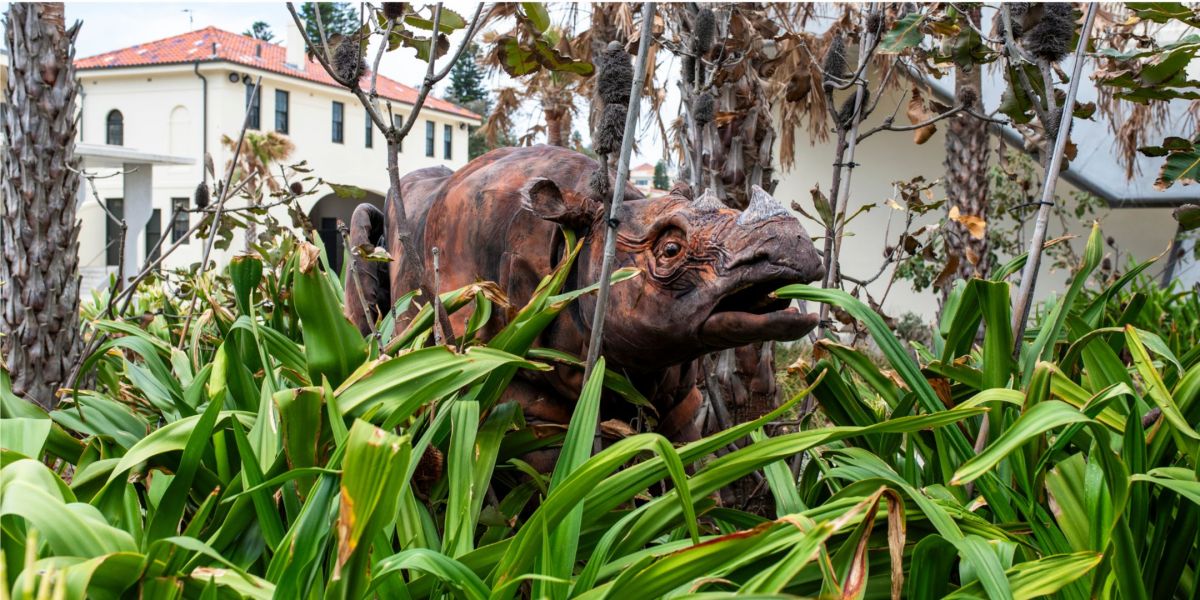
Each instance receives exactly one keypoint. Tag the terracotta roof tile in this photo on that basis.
(240, 49)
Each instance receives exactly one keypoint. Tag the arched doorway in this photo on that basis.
(326, 214)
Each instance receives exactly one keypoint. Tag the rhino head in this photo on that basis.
(707, 271)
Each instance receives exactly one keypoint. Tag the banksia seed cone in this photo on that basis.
(598, 182)
(689, 69)
(1016, 11)
(348, 61)
(614, 75)
(1050, 38)
(846, 113)
(835, 59)
(393, 10)
(874, 23)
(200, 198)
(968, 96)
(610, 130)
(706, 28)
(704, 109)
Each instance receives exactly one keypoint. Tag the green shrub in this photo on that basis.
(274, 454)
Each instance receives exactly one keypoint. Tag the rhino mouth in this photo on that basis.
(750, 314)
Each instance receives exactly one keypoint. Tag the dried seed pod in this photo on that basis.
(704, 33)
(1017, 11)
(348, 60)
(614, 76)
(610, 129)
(1050, 38)
(846, 112)
(704, 109)
(598, 183)
(689, 69)
(393, 10)
(296, 188)
(875, 22)
(200, 198)
(835, 59)
(968, 96)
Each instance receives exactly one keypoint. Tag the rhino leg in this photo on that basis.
(368, 293)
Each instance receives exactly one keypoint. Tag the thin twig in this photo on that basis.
(888, 126)
(321, 29)
(833, 242)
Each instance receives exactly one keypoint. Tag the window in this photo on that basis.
(181, 222)
(112, 232)
(115, 132)
(369, 134)
(254, 103)
(428, 138)
(447, 141)
(281, 111)
(153, 234)
(338, 124)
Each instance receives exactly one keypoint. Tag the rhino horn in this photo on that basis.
(709, 202)
(762, 207)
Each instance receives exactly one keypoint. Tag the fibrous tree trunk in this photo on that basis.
(730, 156)
(39, 267)
(966, 174)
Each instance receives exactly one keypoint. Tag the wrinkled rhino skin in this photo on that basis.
(706, 271)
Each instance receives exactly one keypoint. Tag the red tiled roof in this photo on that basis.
(643, 167)
(240, 49)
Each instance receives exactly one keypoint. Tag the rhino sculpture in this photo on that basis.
(706, 271)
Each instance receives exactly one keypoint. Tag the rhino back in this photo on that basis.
(478, 222)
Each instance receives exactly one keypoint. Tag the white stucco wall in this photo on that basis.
(163, 114)
(892, 156)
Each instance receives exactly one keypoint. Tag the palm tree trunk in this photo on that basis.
(39, 266)
(554, 127)
(966, 175)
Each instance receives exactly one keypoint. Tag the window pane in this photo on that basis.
(370, 133)
(254, 101)
(115, 130)
(181, 223)
(281, 111)
(112, 231)
(447, 141)
(338, 128)
(428, 138)
(153, 234)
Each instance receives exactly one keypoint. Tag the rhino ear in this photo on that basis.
(543, 198)
(681, 188)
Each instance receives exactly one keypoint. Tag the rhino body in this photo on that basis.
(706, 271)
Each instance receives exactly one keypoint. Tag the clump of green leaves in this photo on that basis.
(236, 466)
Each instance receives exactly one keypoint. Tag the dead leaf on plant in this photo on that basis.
(976, 226)
(917, 113)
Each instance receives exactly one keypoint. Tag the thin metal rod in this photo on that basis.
(1030, 273)
(221, 198)
(618, 188)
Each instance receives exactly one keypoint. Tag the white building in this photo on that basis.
(1137, 216)
(175, 98)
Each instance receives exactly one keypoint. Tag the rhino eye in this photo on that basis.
(671, 249)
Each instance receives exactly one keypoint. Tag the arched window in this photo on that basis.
(115, 134)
